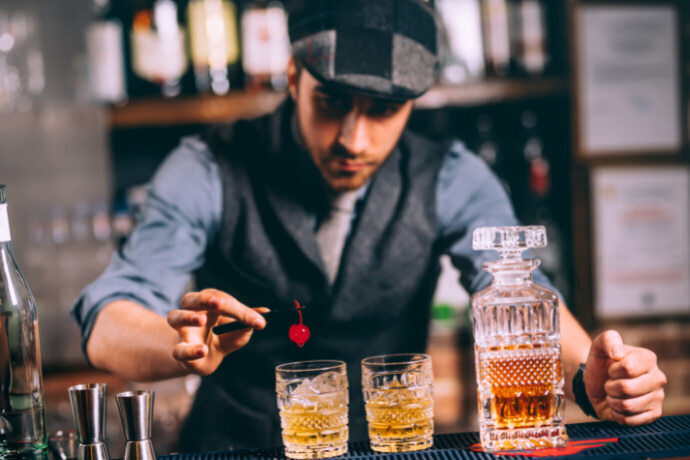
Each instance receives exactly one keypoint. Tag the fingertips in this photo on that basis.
(230, 306)
(195, 301)
(186, 318)
(208, 299)
(213, 301)
(260, 322)
(189, 352)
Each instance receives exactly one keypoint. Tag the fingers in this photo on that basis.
(189, 352)
(186, 318)
(609, 345)
(203, 359)
(223, 304)
(624, 382)
(636, 405)
(638, 386)
(637, 419)
(636, 362)
(636, 397)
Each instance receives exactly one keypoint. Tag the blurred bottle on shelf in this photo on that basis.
(450, 300)
(265, 45)
(100, 223)
(157, 49)
(496, 33)
(105, 51)
(537, 206)
(488, 148)
(101, 230)
(527, 36)
(59, 226)
(214, 45)
(462, 56)
(22, 75)
(66, 249)
(122, 219)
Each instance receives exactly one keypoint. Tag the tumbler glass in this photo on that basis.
(313, 400)
(398, 395)
(63, 444)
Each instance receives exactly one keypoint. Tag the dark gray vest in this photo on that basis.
(266, 254)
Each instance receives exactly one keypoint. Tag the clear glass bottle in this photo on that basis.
(517, 350)
(214, 45)
(105, 52)
(265, 45)
(22, 404)
(157, 49)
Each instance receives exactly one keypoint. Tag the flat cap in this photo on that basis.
(381, 48)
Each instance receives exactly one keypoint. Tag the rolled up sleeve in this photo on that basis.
(470, 196)
(180, 215)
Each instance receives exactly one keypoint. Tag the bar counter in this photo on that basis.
(668, 437)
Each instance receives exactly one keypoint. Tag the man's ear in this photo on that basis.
(292, 78)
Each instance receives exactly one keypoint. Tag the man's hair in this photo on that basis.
(298, 68)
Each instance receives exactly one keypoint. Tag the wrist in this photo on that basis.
(580, 392)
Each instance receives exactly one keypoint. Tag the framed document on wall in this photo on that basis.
(628, 93)
(641, 245)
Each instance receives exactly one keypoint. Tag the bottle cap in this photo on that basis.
(510, 242)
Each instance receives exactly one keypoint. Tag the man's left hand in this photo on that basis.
(624, 383)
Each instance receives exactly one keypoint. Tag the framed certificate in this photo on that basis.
(628, 94)
(641, 257)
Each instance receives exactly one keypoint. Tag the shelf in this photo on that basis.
(239, 104)
(194, 110)
(491, 91)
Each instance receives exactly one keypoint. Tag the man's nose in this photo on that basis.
(354, 132)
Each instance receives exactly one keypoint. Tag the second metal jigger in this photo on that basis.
(136, 412)
(88, 410)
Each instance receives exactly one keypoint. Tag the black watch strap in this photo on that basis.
(580, 392)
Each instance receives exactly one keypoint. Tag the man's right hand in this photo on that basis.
(199, 350)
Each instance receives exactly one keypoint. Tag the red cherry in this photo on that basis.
(299, 333)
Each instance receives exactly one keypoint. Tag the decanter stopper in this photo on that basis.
(510, 242)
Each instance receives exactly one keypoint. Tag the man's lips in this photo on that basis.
(344, 164)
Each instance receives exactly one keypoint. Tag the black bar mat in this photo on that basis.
(667, 437)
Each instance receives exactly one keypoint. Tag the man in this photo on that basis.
(250, 210)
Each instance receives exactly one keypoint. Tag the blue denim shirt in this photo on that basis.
(183, 212)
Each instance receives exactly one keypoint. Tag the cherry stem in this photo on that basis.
(299, 311)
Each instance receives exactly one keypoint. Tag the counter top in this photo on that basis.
(668, 437)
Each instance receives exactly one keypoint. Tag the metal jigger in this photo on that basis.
(88, 409)
(136, 412)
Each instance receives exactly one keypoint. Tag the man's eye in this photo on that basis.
(382, 110)
(332, 104)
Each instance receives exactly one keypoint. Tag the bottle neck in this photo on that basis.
(4, 225)
(511, 273)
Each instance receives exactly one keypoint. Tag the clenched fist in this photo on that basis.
(623, 383)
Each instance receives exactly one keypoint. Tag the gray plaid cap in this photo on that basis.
(381, 48)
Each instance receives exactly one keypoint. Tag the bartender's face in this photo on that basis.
(348, 136)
